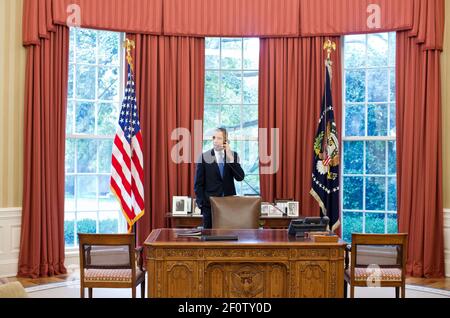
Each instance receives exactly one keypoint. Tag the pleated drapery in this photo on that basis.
(42, 237)
(291, 84)
(419, 156)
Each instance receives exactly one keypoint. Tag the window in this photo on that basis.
(369, 196)
(231, 101)
(94, 95)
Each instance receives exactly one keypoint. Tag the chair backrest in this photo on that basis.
(382, 250)
(107, 251)
(235, 212)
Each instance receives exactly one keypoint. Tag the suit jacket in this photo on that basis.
(208, 181)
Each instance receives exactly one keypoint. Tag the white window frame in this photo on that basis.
(74, 136)
(366, 138)
(236, 138)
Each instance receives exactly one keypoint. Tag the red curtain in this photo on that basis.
(336, 17)
(428, 23)
(42, 239)
(232, 17)
(292, 75)
(419, 156)
(134, 16)
(263, 18)
(424, 18)
(170, 93)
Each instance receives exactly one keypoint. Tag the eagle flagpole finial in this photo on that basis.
(129, 45)
(329, 46)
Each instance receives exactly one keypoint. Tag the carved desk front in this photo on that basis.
(262, 264)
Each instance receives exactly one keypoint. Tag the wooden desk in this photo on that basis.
(192, 221)
(263, 263)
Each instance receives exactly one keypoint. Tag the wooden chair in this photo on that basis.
(110, 261)
(377, 260)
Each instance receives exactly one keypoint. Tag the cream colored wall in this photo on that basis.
(445, 68)
(12, 81)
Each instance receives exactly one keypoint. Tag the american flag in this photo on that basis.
(127, 175)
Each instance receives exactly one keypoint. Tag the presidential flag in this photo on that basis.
(127, 175)
(325, 175)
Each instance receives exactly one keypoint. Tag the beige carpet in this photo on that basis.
(72, 290)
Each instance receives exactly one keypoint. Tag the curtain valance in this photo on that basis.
(260, 18)
(132, 16)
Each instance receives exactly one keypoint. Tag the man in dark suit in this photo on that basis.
(215, 173)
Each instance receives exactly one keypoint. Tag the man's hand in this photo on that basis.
(229, 152)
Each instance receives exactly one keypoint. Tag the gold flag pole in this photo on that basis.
(129, 45)
(329, 47)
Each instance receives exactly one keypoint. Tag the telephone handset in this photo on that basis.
(225, 141)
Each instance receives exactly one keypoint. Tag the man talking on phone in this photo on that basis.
(215, 174)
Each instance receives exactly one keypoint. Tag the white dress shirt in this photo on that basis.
(220, 156)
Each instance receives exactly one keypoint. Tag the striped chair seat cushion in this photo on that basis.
(384, 274)
(109, 275)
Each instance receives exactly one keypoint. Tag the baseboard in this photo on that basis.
(72, 261)
(436, 291)
(446, 218)
(447, 241)
(10, 226)
(8, 268)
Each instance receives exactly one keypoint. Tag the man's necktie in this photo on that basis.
(221, 165)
